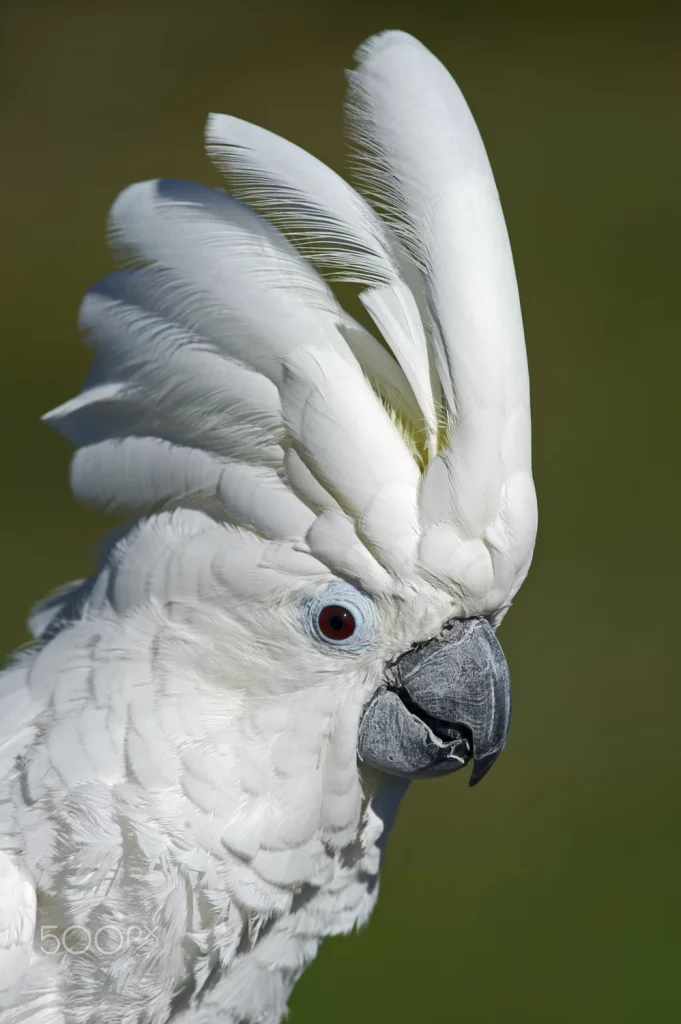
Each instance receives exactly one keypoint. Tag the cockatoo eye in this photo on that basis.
(336, 622)
(339, 615)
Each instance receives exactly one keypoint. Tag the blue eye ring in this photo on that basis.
(340, 616)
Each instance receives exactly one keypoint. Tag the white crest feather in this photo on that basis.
(425, 166)
(228, 377)
(333, 227)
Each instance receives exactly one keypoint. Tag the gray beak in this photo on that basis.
(445, 702)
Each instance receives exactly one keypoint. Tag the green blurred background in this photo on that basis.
(551, 892)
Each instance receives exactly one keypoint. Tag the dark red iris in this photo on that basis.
(336, 622)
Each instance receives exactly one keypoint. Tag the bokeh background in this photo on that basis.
(551, 892)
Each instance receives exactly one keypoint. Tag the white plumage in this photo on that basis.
(179, 778)
(336, 229)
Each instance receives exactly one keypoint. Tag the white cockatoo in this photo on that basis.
(201, 753)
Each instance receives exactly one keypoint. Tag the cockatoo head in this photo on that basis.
(336, 518)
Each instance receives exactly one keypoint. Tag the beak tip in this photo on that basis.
(481, 765)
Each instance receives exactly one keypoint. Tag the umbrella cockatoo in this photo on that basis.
(202, 752)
